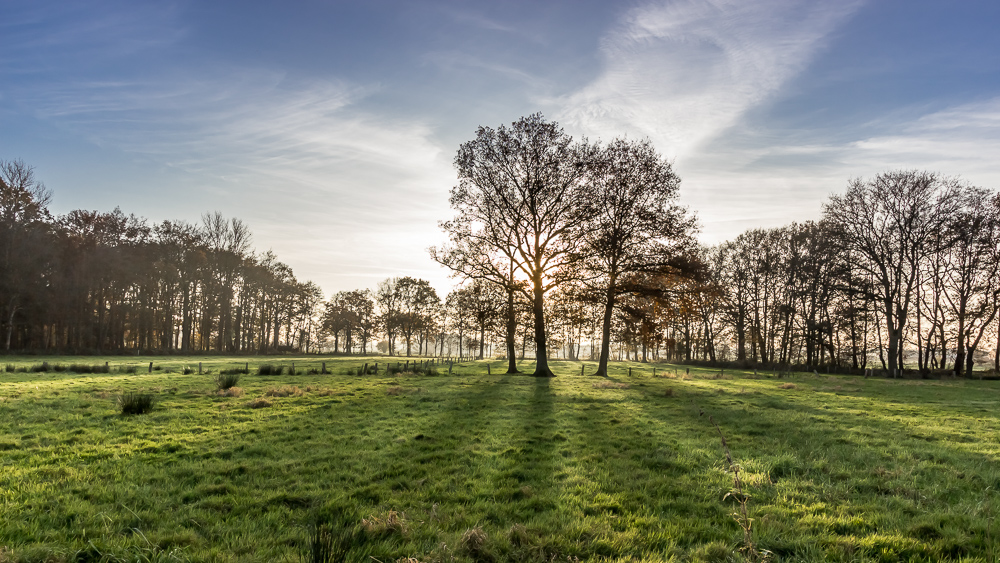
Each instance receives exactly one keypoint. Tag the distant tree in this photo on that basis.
(24, 240)
(416, 301)
(886, 223)
(634, 222)
(972, 290)
(519, 195)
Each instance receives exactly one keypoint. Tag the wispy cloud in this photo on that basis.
(767, 179)
(681, 72)
(317, 177)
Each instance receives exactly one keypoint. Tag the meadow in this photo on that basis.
(427, 467)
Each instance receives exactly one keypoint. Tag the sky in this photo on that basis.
(330, 126)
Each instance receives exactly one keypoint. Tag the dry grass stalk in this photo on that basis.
(787, 386)
(231, 392)
(742, 515)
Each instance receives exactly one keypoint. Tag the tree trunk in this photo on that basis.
(541, 351)
(511, 331)
(609, 306)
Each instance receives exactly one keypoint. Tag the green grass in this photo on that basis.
(471, 467)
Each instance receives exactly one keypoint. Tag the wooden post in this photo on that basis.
(293, 369)
(376, 368)
(630, 371)
(365, 372)
(199, 368)
(687, 371)
(581, 369)
(323, 370)
(246, 367)
(488, 369)
(654, 371)
(449, 366)
(150, 367)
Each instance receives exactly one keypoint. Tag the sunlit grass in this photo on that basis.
(504, 468)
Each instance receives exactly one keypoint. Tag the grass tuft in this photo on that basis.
(474, 545)
(231, 392)
(269, 369)
(284, 391)
(259, 403)
(135, 403)
(227, 379)
(391, 523)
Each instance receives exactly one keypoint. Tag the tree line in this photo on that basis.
(564, 248)
(107, 282)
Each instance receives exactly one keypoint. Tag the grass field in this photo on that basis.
(476, 467)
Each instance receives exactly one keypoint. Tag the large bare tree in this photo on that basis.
(634, 221)
(519, 195)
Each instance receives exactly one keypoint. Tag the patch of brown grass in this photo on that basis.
(284, 391)
(473, 544)
(231, 392)
(259, 403)
(609, 385)
(787, 386)
(390, 523)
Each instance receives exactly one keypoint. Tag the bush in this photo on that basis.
(227, 379)
(11, 368)
(135, 403)
(40, 368)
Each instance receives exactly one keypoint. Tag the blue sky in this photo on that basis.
(330, 127)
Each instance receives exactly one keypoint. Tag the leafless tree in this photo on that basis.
(634, 222)
(887, 222)
(519, 195)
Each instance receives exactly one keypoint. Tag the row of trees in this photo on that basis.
(565, 248)
(111, 282)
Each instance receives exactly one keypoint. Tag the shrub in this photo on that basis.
(188, 371)
(231, 371)
(11, 368)
(135, 403)
(227, 379)
(40, 368)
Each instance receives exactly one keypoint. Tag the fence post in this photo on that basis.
(150, 367)
(581, 369)
(488, 369)
(449, 366)
(365, 372)
(199, 368)
(323, 369)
